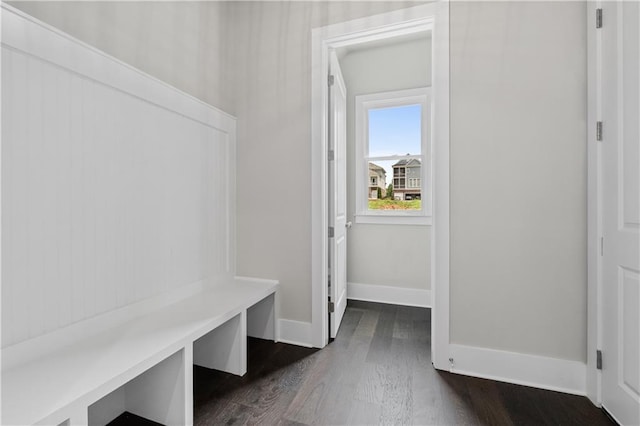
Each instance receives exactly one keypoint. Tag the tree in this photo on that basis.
(379, 193)
(390, 191)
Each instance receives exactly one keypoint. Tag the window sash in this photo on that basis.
(389, 100)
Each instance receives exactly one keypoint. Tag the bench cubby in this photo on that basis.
(158, 394)
(143, 365)
(225, 347)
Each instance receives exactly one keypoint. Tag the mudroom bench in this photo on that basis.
(143, 364)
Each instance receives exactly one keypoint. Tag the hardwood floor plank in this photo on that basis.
(370, 389)
(336, 406)
(220, 412)
(363, 413)
(368, 322)
(456, 401)
(306, 405)
(381, 342)
(269, 411)
(520, 402)
(428, 405)
(487, 403)
(377, 371)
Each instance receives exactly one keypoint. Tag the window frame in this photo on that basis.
(396, 98)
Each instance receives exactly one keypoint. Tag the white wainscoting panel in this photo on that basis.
(530, 370)
(115, 186)
(388, 294)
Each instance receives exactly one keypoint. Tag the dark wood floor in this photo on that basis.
(377, 371)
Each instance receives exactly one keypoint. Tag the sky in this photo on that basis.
(394, 131)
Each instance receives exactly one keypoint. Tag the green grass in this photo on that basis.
(394, 205)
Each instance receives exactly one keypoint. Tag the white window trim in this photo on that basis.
(396, 98)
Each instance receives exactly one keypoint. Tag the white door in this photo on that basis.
(337, 195)
(620, 149)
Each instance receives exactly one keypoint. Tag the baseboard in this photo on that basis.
(530, 370)
(387, 294)
(295, 332)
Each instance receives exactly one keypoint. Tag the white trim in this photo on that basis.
(1, 210)
(594, 222)
(295, 333)
(530, 370)
(363, 103)
(392, 295)
(398, 219)
(67, 52)
(440, 151)
(22, 352)
(256, 280)
(404, 21)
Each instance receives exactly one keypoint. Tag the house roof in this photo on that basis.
(412, 162)
(375, 167)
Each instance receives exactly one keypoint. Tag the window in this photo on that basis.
(393, 154)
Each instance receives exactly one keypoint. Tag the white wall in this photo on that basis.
(184, 43)
(518, 177)
(389, 255)
(274, 132)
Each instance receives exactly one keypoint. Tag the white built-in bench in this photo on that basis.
(144, 364)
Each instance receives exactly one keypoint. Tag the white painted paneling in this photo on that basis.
(116, 187)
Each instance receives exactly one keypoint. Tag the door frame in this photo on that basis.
(434, 16)
(594, 207)
(595, 285)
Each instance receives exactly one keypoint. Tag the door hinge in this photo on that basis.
(598, 130)
(332, 155)
(332, 232)
(330, 80)
(332, 307)
(601, 246)
(599, 359)
(598, 18)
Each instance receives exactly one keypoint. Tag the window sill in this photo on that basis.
(396, 219)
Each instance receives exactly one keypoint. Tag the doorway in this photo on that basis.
(388, 85)
(613, 378)
(432, 17)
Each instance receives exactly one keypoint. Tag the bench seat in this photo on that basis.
(58, 386)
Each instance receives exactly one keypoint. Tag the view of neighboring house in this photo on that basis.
(406, 179)
(377, 180)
